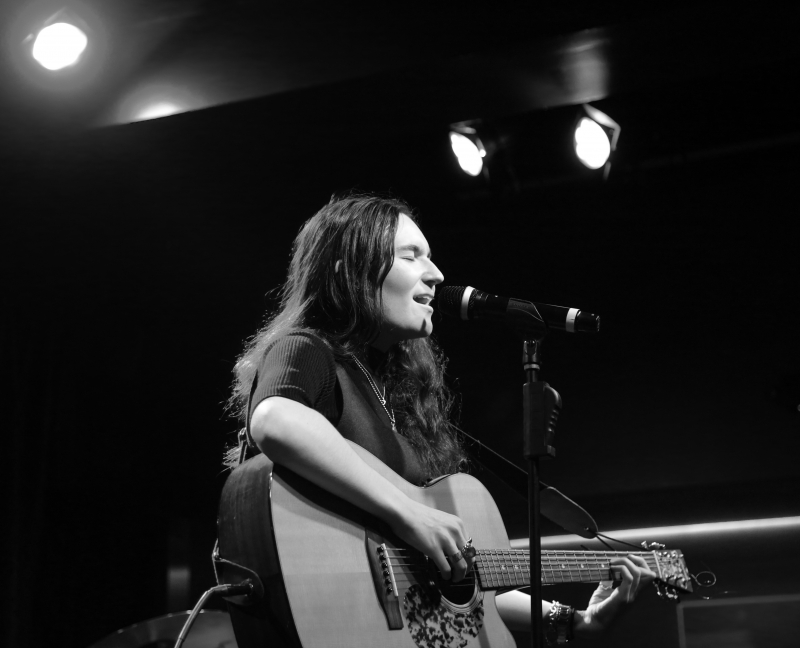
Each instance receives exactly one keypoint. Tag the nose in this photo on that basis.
(432, 275)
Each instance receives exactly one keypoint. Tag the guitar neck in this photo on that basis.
(499, 569)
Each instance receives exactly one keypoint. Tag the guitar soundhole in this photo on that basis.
(461, 593)
(436, 621)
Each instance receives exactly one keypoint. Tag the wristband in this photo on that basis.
(559, 624)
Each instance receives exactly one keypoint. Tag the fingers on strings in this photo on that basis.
(635, 574)
(459, 560)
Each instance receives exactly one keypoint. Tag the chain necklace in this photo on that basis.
(381, 398)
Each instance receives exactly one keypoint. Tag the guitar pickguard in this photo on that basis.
(433, 623)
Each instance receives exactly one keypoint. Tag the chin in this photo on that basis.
(426, 330)
(418, 334)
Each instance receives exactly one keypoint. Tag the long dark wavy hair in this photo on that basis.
(343, 307)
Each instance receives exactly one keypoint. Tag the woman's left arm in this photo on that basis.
(605, 604)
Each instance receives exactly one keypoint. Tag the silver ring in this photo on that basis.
(468, 550)
(455, 557)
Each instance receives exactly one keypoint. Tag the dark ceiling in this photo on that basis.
(448, 63)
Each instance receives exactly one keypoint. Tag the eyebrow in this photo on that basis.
(416, 249)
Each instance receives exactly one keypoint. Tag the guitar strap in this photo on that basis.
(554, 505)
(506, 471)
(245, 439)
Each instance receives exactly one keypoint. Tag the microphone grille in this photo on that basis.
(450, 300)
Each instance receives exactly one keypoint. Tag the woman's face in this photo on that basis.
(409, 287)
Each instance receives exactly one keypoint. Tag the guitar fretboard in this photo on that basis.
(512, 568)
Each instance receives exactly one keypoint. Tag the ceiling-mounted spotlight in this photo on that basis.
(592, 145)
(596, 136)
(59, 45)
(59, 54)
(468, 148)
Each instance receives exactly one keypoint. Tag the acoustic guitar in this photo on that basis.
(334, 577)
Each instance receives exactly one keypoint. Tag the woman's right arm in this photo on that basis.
(304, 441)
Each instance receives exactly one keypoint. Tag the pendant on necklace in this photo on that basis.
(383, 400)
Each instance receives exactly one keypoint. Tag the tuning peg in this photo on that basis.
(652, 546)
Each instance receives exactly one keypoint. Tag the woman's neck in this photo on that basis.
(374, 359)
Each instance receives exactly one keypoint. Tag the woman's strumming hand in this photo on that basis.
(437, 534)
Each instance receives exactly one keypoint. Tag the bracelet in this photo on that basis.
(559, 624)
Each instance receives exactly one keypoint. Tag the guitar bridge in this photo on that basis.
(383, 578)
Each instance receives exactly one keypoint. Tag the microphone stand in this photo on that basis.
(541, 406)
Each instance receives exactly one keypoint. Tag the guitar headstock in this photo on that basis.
(670, 567)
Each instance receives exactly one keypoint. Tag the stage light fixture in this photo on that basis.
(468, 149)
(595, 139)
(59, 45)
(592, 145)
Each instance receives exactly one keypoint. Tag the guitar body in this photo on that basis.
(312, 551)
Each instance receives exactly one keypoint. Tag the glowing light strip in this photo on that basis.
(707, 528)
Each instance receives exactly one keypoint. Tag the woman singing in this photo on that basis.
(349, 357)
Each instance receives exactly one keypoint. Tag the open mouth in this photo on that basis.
(425, 300)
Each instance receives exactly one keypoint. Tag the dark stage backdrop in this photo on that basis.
(137, 259)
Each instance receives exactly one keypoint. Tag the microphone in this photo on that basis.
(468, 303)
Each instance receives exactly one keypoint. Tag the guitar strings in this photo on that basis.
(548, 555)
(496, 574)
(491, 566)
(552, 566)
(572, 561)
(490, 570)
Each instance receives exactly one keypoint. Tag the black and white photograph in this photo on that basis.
(437, 325)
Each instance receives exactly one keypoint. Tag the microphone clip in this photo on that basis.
(526, 320)
(541, 407)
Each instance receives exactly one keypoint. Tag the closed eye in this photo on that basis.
(414, 250)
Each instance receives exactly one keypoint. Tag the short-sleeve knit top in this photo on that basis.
(301, 367)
